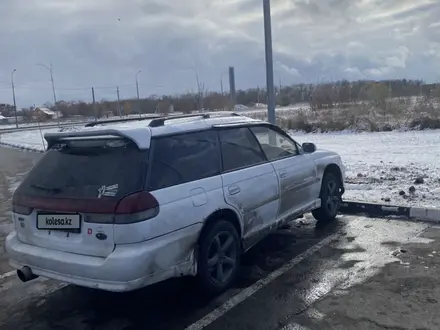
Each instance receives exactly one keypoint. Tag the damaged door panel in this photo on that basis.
(250, 183)
(254, 193)
(296, 171)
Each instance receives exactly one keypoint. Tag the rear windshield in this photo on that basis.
(87, 169)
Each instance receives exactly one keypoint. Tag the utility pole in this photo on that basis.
(138, 106)
(258, 94)
(13, 97)
(137, 84)
(349, 92)
(50, 68)
(269, 62)
(119, 101)
(94, 103)
(232, 86)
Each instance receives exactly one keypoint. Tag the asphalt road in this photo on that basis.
(355, 273)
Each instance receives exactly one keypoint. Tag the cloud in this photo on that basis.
(103, 44)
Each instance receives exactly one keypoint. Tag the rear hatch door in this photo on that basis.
(68, 199)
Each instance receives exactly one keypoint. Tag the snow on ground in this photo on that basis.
(27, 139)
(379, 166)
(283, 111)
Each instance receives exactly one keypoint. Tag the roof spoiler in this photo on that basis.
(141, 142)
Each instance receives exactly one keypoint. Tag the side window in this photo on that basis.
(183, 158)
(275, 145)
(239, 149)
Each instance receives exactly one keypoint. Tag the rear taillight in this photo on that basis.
(136, 207)
(20, 209)
(133, 208)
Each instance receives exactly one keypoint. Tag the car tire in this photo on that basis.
(330, 196)
(219, 257)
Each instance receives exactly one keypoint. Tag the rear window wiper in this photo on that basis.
(37, 186)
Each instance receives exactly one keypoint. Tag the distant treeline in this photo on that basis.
(324, 95)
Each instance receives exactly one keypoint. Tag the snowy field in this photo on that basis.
(381, 167)
(281, 111)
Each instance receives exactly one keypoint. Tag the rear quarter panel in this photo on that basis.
(183, 211)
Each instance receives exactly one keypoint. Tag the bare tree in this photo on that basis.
(200, 96)
(163, 107)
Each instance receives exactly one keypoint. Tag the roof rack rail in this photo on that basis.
(111, 121)
(157, 122)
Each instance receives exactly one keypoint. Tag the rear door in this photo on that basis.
(184, 178)
(250, 184)
(297, 173)
(68, 199)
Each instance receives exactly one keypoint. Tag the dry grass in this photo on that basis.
(360, 117)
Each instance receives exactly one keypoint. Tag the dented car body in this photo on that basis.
(118, 207)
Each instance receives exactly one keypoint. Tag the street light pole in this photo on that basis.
(50, 68)
(269, 62)
(13, 97)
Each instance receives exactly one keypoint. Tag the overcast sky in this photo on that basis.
(103, 43)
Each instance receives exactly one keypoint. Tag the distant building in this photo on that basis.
(45, 114)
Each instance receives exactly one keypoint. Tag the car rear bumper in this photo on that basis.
(127, 268)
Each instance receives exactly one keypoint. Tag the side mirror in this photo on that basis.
(309, 147)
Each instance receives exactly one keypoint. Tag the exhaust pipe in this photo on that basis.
(25, 274)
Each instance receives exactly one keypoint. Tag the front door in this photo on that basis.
(250, 183)
(296, 172)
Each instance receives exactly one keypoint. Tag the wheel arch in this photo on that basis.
(224, 214)
(336, 171)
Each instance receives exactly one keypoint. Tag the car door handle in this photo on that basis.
(233, 190)
(283, 174)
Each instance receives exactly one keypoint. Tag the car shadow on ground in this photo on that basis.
(173, 304)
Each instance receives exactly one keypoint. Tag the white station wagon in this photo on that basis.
(121, 206)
